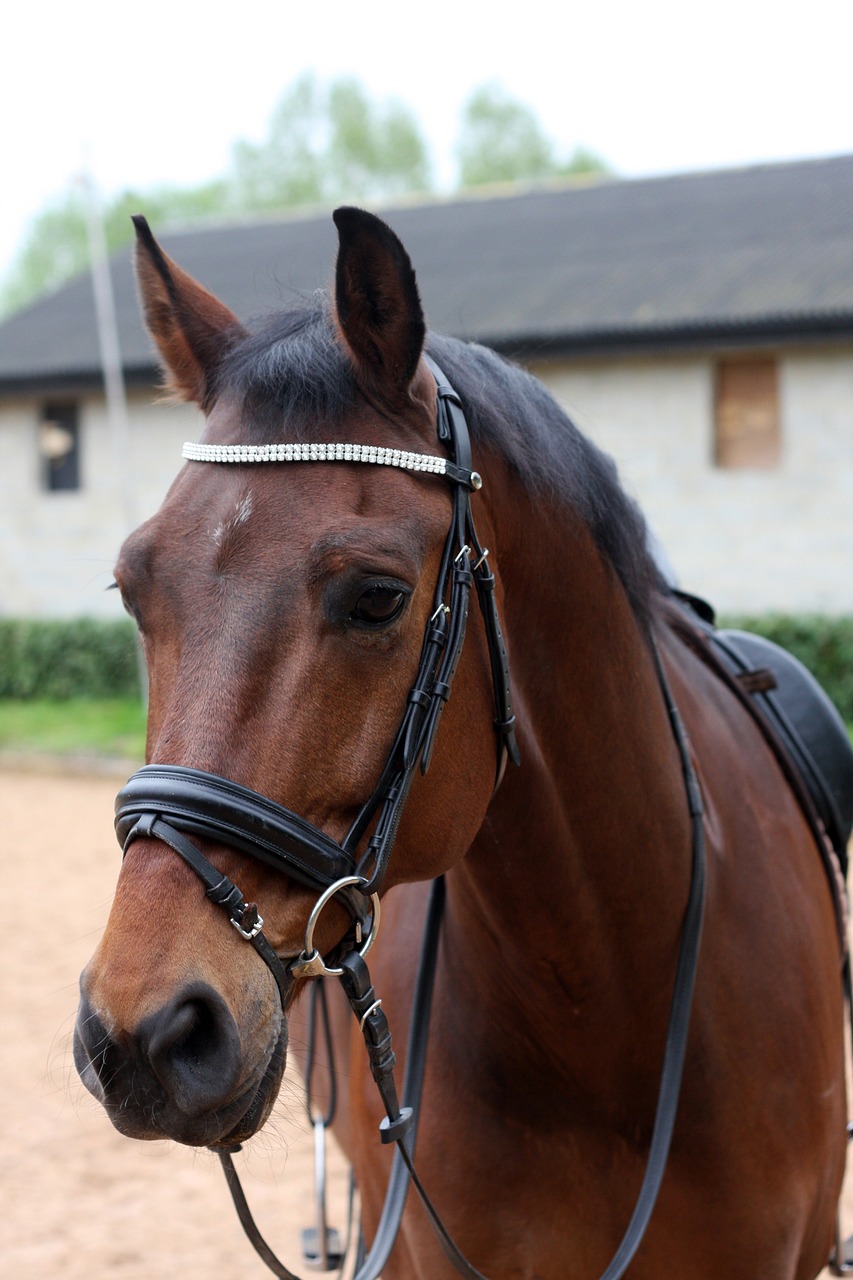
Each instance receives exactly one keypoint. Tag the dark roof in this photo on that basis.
(758, 254)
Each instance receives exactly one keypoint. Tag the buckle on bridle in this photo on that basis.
(249, 923)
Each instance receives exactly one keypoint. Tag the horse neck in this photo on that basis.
(581, 869)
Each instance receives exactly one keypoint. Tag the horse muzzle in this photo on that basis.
(181, 1073)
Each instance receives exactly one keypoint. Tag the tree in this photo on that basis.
(326, 144)
(54, 249)
(56, 246)
(584, 162)
(283, 170)
(502, 140)
(374, 152)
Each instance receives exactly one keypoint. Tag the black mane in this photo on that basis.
(292, 369)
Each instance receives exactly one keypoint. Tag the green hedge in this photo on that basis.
(823, 644)
(89, 658)
(81, 657)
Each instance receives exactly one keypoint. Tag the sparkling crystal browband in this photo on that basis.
(316, 453)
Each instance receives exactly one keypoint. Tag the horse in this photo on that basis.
(288, 594)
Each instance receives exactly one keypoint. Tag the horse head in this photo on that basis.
(282, 611)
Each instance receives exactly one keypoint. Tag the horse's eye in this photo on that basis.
(378, 606)
(127, 604)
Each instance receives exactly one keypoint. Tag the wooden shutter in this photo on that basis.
(746, 414)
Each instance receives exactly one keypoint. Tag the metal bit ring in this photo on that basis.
(310, 964)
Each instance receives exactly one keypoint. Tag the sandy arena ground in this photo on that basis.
(78, 1201)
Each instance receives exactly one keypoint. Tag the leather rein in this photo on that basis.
(171, 803)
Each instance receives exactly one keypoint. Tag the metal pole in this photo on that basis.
(111, 367)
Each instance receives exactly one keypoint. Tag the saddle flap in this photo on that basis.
(807, 722)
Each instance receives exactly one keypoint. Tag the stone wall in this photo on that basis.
(57, 549)
(780, 539)
(751, 541)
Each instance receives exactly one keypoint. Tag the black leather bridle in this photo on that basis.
(170, 803)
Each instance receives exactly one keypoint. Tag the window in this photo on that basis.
(59, 446)
(746, 415)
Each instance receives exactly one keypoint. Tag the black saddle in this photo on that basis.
(806, 721)
(800, 715)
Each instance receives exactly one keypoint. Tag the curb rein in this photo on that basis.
(164, 802)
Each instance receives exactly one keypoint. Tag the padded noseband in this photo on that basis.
(203, 804)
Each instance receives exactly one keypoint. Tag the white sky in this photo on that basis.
(156, 91)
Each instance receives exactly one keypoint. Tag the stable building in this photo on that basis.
(699, 327)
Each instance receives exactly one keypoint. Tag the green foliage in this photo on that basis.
(328, 144)
(501, 140)
(57, 245)
(83, 657)
(583, 163)
(374, 151)
(55, 248)
(284, 169)
(823, 644)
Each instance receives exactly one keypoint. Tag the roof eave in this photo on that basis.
(76, 382)
(763, 331)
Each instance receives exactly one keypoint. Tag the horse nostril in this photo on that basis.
(189, 1035)
(193, 1046)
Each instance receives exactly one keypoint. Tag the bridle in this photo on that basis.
(170, 803)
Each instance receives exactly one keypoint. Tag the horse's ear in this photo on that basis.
(192, 329)
(378, 308)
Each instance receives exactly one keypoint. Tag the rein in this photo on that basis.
(400, 1123)
(170, 803)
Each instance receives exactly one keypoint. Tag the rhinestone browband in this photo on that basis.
(372, 453)
(315, 453)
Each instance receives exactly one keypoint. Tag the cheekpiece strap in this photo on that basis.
(453, 429)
